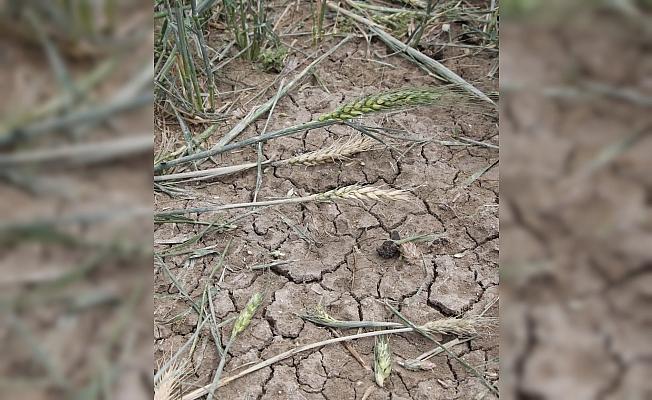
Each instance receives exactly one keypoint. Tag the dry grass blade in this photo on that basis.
(393, 100)
(168, 385)
(339, 150)
(382, 360)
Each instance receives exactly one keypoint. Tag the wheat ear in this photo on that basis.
(168, 386)
(246, 315)
(382, 360)
(363, 193)
(392, 100)
(338, 150)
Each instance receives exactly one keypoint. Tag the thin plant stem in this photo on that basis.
(204, 390)
(237, 205)
(81, 154)
(259, 161)
(218, 373)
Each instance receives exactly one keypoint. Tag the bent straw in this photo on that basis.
(197, 393)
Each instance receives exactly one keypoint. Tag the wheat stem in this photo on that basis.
(260, 138)
(197, 393)
(208, 173)
(463, 327)
(241, 323)
(348, 192)
(78, 154)
(218, 373)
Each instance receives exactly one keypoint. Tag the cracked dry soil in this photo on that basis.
(334, 244)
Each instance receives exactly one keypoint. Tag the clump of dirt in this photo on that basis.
(389, 248)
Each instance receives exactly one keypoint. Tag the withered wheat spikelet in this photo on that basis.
(410, 253)
(382, 360)
(318, 315)
(387, 101)
(462, 327)
(244, 319)
(363, 193)
(338, 150)
(417, 365)
(168, 387)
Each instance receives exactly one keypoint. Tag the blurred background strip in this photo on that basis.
(75, 199)
(576, 200)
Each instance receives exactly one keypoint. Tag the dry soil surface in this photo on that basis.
(333, 245)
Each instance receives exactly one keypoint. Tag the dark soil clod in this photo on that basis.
(389, 248)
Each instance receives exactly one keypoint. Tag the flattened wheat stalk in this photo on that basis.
(462, 327)
(348, 192)
(393, 100)
(382, 360)
(201, 391)
(338, 150)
